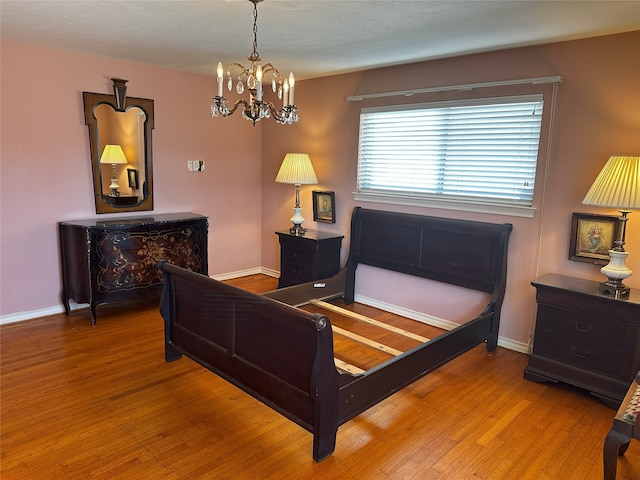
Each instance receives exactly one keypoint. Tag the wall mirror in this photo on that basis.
(120, 143)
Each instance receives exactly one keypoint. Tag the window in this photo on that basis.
(478, 152)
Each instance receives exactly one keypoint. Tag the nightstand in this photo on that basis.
(308, 257)
(585, 338)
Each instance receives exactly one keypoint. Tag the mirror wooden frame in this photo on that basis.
(120, 103)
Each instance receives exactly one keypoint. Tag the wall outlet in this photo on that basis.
(195, 165)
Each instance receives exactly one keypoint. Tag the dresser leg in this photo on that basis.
(65, 303)
(93, 313)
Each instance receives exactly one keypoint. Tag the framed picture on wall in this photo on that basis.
(592, 236)
(132, 175)
(324, 206)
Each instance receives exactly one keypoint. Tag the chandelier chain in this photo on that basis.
(255, 56)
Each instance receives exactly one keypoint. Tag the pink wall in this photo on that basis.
(46, 170)
(46, 175)
(597, 115)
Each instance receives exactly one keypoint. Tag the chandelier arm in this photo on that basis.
(237, 104)
(222, 106)
(268, 67)
(236, 64)
(283, 115)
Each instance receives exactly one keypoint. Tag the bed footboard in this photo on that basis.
(250, 341)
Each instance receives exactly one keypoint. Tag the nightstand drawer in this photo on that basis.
(295, 274)
(297, 256)
(582, 354)
(581, 326)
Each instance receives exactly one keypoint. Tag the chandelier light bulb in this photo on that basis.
(285, 93)
(220, 72)
(259, 83)
(292, 82)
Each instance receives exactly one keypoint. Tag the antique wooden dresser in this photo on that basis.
(114, 259)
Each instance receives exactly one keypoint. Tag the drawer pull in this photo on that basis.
(580, 355)
(583, 330)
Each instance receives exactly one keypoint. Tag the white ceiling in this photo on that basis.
(312, 38)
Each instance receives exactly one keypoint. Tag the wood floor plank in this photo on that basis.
(82, 402)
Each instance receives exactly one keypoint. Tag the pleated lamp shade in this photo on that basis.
(617, 185)
(113, 154)
(296, 168)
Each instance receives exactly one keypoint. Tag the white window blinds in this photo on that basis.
(480, 150)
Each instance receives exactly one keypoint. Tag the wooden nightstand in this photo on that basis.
(585, 338)
(310, 257)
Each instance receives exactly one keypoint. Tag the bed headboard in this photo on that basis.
(459, 252)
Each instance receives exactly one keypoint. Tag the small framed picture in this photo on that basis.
(592, 236)
(132, 175)
(324, 206)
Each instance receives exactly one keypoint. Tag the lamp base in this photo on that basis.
(297, 221)
(616, 271)
(114, 187)
(615, 289)
(297, 230)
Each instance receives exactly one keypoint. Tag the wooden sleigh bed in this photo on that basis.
(284, 356)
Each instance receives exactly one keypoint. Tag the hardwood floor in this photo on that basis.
(82, 402)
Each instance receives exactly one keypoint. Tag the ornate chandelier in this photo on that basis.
(252, 79)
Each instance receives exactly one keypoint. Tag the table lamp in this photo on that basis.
(114, 155)
(617, 186)
(296, 169)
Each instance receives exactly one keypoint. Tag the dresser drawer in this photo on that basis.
(127, 258)
(553, 320)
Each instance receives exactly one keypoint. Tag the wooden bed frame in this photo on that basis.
(283, 356)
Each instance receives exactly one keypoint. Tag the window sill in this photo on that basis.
(460, 205)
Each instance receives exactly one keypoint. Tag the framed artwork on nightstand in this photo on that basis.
(592, 236)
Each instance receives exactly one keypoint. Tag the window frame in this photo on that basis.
(458, 203)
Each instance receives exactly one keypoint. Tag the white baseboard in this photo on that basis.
(243, 273)
(434, 321)
(30, 315)
(421, 317)
(55, 310)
